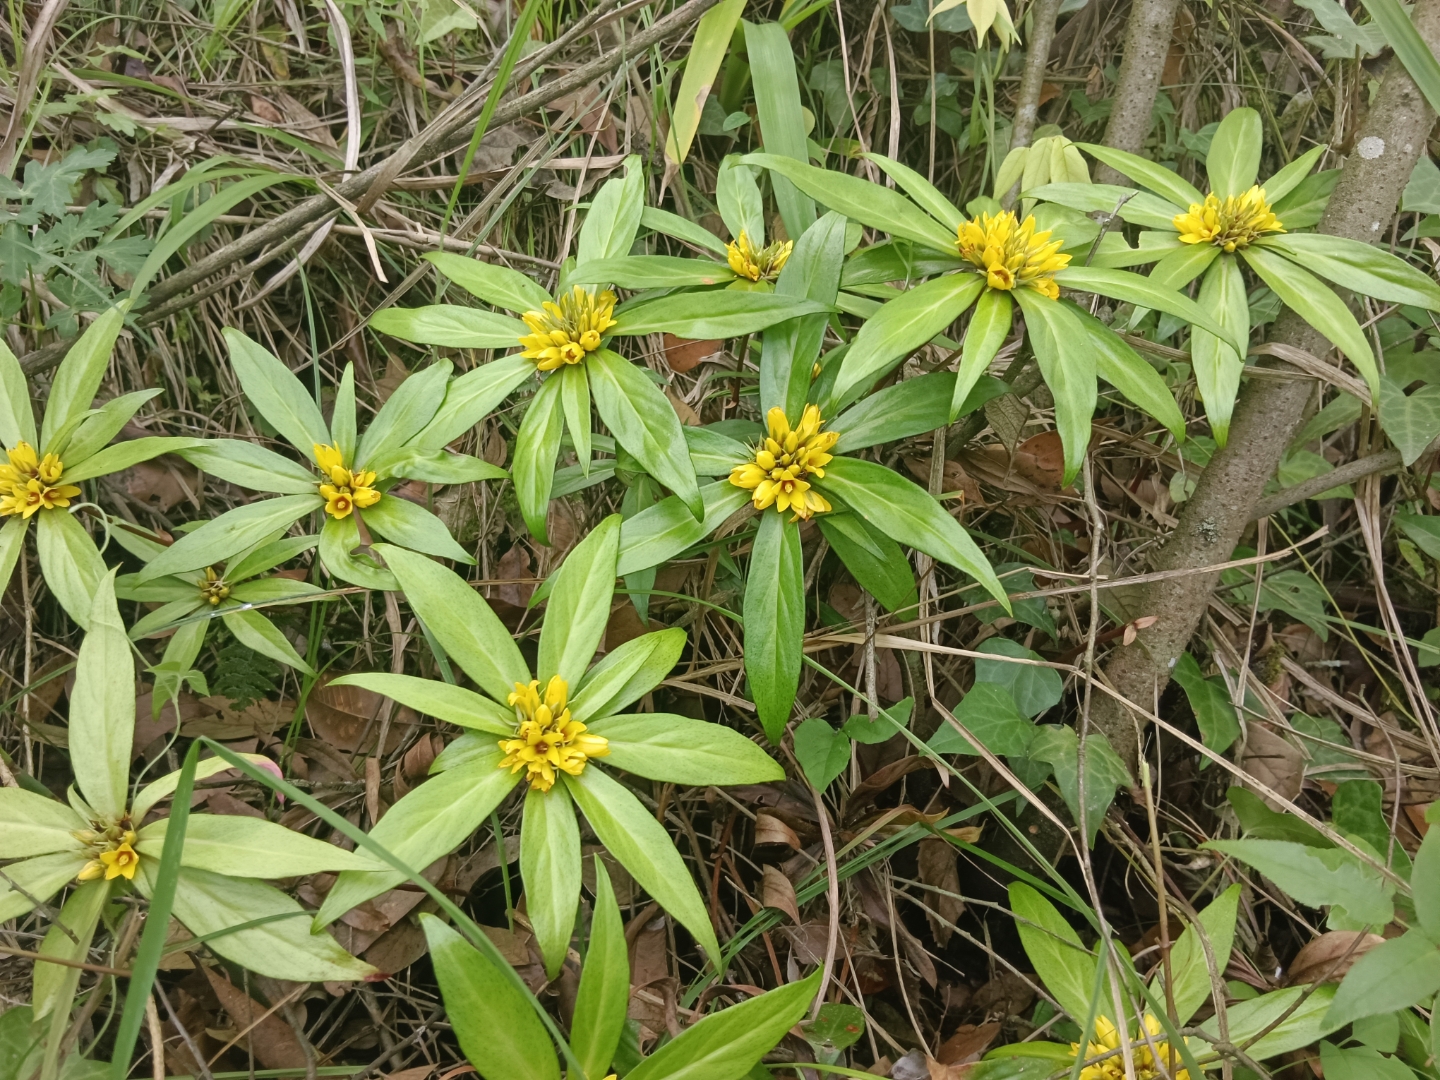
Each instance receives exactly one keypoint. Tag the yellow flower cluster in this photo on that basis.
(757, 264)
(1154, 1059)
(548, 738)
(345, 490)
(778, 473)
(565, 332)
(213, 588)
(1012, 254)
(115, 854)
(1231, 224)
(28, 484)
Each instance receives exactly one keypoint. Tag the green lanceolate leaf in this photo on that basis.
(402, 522)
(1289, 178)
(1188, 965)
(1359, 267)
(860, 200)
(1217, 366)
(1164, 182)
(70, 562)
(1215, 714)
(37, 879)
(339, 542)
(1143, 292)
(575, 404)
(441, 467)
(626, 674)
(644, 848)
(774, 616)
(405, 413)
(668, 224)
(988, 329)
(123, 455)
(12, 543)
(537, 447)
(909, 407)
(782, 121)
(255, 631)
(471, 397)
(431, 821)
(724, 313)
(901, 326)
(1413, 51)
(230, 533)
(251, 466)
(614, 217)
(579, 605)
(1123, 368)
(726, 1045)
(461, 621)
(102, 425)
(550, 868)
(497, 285)
(453, 704)
(241, 846)
(679, 750)
(1233, 162)
(702, 63)
(644, 422)
(1104, 772)
(17, 418)
(926, 195)
(1064, 965)
(658, 533)
(275, 391)
(652, 272)
(450, 325)
(342, 418)
(282, 948)
(909, 515)
(496, 1026)
(35, 825)
(1069, 373)
(1313, 301)
(738, 198)
(78, 377)
(1137, 208)
(876, 561)
(789, 350)
(604, 991)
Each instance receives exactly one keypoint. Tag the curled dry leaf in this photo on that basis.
(683, 354)
(771, 830)
(1330, 956)
(271, 1039)
(1274, 762)
(778, 892)
(939, 870)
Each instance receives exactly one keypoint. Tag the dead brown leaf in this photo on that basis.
(939, 870)
(270, 1038)
(771, 830)
(683, 354)
(967, 1044)
(778, 892)
(1274, 762)
(348, 717)
(1041, 460)
(953, 477)
(1330, 956)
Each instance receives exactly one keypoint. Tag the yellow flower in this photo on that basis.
(778, 474)
(564, 333)
(764, 263)
(212, 587)
(1150, 1064)
(28, 483)
(346, 490)
(1012, 254)
(547, 738)
(1231, 224)
(116, 855)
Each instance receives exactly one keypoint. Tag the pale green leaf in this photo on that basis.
(70, 562)
(450, 325)
(627, 673)
(679, 750)
(497, 285)
(550, 868)
(276, 393)
(248, 847)
(453, 704)
(1233, 162)
(230, 533)
(579, 606)
(79, 375)
(35, 825)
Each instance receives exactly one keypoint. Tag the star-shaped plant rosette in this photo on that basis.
(550, 730)
(227, 591)
(1239, 222)
(800, 466)
(997, 261)
(745, 262)
(566, 338)
(106, 840)
(40, 480)
(349, 475)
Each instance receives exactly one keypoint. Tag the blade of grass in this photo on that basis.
(157, 921)
(492, 102)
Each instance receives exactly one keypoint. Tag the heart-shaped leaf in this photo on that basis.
(1411, 422)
